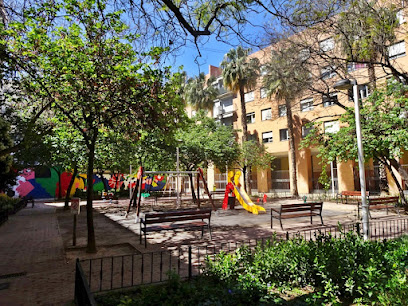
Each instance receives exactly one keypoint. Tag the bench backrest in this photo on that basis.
(386, 200)
(176, 215)
(353, 193)
(311, 206)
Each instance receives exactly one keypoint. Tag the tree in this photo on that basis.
(205, 141)
(240, 73)
(6, 162)
(287, 78)
(200, 93)
(90, 73)
(253, 154)
(384, 136)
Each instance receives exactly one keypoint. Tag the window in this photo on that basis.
(331, 126)
(266, 114)
(264, 70)
(267, 137)
(249, 96)
(364, 91)
(253, 137)
(400, 17)
(327, 72)
(355, 66)
(282, 110)
(396, 50)
(306, 105)
(330, 100)
(250, 118)
(327, 45)
(306, 130)
(283, 134)
(304, 54)
(263, 92)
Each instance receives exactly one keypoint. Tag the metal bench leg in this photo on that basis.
(321, 219)
(311, 219)
(280, 220)
(271, 221)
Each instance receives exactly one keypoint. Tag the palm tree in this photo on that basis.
(240, 73)
(286, 78)
(200, 93)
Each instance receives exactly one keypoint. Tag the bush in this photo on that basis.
(323, 271)
(347, 269)
(7, 203)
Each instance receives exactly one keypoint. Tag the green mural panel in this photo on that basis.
(49, 183)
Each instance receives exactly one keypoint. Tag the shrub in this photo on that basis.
(344, 269)
(7, 203)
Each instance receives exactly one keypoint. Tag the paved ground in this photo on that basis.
(37, 256)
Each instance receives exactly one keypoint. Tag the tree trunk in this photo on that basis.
(248, 185)
(243, 115)
(91, 246)
(246, 174)
(71, 183)
(190, 175)
(400, 189)
(292, 148)
(105, 184)
(384, 187)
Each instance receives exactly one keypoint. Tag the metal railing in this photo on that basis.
(83, 295)
(117, 272)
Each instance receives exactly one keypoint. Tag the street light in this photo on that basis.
(347, 84)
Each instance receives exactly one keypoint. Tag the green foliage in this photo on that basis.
(7, 175)
(204, 140)
(200, 93)
(383, 122)
(344, 269)
(253, 154)
(199, 291)
(239, 71)
(7, 203)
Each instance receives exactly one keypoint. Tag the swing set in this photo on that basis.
(139, 192)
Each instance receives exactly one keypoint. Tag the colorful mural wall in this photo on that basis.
(43, 183)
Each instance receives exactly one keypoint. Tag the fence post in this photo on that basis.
(83, 295)
(190, 268)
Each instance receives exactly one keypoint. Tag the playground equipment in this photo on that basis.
(147, 186)
(234, 186)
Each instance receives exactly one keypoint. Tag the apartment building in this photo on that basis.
(267, 123)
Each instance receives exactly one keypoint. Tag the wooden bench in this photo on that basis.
(287, 211)
(381, 203)
(347, 194)
(172, 220)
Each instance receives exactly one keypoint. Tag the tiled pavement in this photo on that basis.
(32, 248)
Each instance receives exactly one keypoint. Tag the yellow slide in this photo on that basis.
(242, 196)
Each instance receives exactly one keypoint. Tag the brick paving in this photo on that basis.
(30, 243)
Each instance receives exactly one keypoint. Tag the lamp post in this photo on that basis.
(347, 84)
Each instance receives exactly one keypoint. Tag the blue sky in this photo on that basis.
(212, 51)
